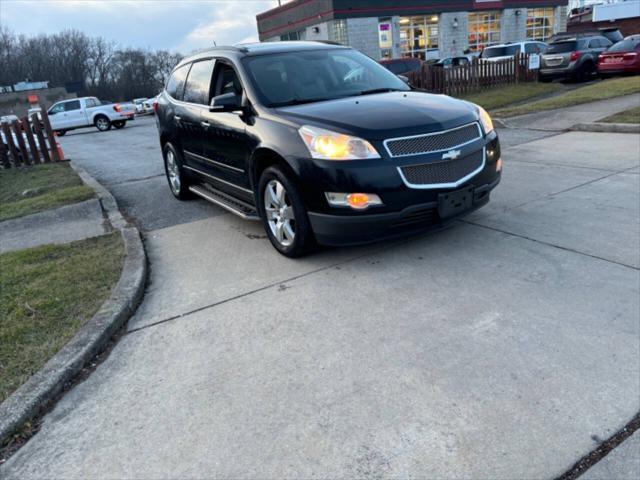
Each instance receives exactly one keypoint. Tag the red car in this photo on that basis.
(623, 57)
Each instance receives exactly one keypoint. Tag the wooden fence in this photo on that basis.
(476, 76)
(27, 142)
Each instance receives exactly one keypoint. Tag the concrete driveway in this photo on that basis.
(506, 346)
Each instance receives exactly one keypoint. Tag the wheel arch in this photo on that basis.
(265, 157)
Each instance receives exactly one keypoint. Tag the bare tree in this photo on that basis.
(96, 63)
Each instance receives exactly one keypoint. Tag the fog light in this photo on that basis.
(499, 165)
(358, 201)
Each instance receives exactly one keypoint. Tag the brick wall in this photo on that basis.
(452, 41)
(513, 28)
(363, 35)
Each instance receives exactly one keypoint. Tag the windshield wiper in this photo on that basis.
(378, 90)
(300, 101)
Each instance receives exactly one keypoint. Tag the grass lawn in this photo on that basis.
(46, 294)
(27, 190)
(597, 91)
(628, 116)
(500, 97)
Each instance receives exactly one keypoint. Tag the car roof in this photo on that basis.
(262, 48)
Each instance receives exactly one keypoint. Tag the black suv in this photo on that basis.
(322, 144)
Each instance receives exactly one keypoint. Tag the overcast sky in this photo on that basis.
(175, 25)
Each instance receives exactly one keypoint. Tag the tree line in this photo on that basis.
(100, 66)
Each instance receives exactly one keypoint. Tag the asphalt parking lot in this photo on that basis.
(505, 346)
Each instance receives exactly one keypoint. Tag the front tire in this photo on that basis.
(283, 213)
(119, 123)
(102, 123)
(178, 181)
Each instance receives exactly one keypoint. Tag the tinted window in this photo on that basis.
(397, 67)
(605, 42)
(316, 75)
(562, 47)
(175, 85)
(74, 105)
(413, 64)
(625, 46)
(533, 48)
(198, 83)
(508, 51)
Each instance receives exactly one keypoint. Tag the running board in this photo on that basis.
(238, 207)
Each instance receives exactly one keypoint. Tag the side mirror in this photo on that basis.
(403, 78)
(227, 102)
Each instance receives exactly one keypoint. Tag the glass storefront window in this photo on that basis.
(484, 30)
(539, 23)
(419, 36)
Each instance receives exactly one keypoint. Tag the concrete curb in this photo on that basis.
(607, 127)
(43, 387)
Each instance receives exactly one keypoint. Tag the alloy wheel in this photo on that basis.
(102, 124)
(172, 172)
(279, 212)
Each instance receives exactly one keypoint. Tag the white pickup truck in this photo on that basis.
(89, 111)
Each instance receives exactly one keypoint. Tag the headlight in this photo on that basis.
(485, 120)
(330, 145)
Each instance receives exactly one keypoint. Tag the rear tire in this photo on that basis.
(283, 213)
(119, 123)
(178, 181)
(102, 123)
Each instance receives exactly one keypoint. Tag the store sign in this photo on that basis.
(384, 35)
(534, 61)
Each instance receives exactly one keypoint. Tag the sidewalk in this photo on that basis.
(61, 225)
(564, 118)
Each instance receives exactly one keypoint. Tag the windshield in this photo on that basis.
(491, 52)
(311, 76)
(624, 46)
(562, 47)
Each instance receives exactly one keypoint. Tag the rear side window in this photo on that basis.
(74, 105)
(175, 85)
(198, 83)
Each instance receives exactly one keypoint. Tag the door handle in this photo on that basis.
(177, 118)
(205, 124)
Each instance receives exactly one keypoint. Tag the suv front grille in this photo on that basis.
(448, 173)
(433, 142)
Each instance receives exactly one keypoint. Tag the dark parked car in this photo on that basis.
(402, 66)
(321, 144)
(452, 62)
(623, 57)
(575, 58)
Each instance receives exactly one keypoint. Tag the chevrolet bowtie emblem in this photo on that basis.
(451, 155)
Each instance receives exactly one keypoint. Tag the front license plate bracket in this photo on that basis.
(456, 202)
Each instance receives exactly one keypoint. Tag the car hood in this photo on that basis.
(384, 115)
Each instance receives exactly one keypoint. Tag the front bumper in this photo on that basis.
(340, 230)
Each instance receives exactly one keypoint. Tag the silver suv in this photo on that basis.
(575, 58)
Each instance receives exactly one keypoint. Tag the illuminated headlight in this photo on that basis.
(485, 120)
(329, 145)
(358, 201)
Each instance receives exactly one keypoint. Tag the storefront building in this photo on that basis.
(415, 28)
